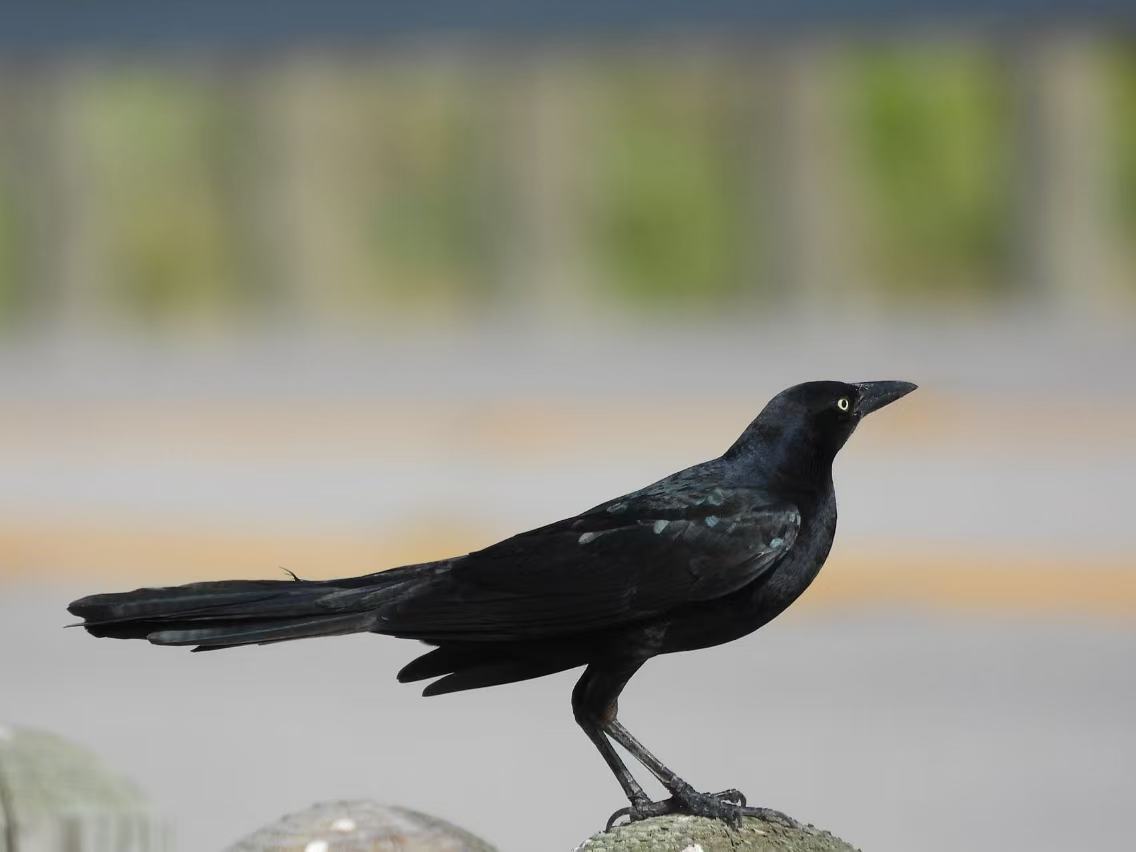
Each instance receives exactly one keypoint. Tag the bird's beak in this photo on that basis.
(874, 395)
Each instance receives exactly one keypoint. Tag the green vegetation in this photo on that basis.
(1124, 88)
(672, 218)
(399, 170)
(13, 291)
(155, 142)
(931, 130)
(426, 205)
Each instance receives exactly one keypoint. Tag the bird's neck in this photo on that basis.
(788, 459)
(811, 480)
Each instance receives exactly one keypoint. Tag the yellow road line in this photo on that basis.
(1007, 582)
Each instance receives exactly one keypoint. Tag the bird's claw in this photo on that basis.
(642, 810)
(728, 806)
(615, 817)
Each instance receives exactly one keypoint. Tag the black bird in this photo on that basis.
(705, 556)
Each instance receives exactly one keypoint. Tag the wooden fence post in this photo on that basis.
(804, 211)
(50, 176)
(539, 238)
(1067, 255)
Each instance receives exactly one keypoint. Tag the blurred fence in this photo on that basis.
(447, 180)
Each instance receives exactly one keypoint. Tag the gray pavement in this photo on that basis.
(902, 731)
(258, 436)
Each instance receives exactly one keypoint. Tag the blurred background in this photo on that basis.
(344, 287)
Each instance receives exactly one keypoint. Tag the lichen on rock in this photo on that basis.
(698, 834)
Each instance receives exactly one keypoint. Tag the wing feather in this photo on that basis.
(623, 561)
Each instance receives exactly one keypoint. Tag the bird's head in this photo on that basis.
(800, 430)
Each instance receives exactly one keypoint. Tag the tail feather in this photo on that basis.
(443, 660)
(244, 612)
(264, 632)
(461, 666)
(494, 674)
(187, 600)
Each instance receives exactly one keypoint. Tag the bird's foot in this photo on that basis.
(728, 806)
(736, 797)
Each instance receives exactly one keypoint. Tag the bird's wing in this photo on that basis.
(629, 559)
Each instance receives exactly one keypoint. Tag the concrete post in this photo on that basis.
(56, 796)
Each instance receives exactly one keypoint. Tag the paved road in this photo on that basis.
(900, 730)
(1019, 441)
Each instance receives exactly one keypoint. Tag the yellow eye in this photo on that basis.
(843, 404)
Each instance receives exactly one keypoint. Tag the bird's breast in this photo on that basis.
(744, 611)
(792, 575)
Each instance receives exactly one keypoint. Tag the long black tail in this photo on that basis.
(246, 612)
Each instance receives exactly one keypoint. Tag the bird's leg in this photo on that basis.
(729, 805)
(631, 787)
(594, 703)
(666, 776)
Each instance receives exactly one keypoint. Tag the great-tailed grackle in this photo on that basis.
(705, 556)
